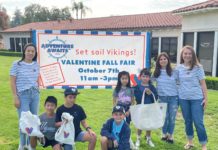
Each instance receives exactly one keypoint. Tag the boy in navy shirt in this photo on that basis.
(115, 133)
(79, 115)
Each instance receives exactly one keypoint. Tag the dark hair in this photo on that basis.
(158, 66)
(24, 49)
(146, 72)
(194, 61)
(51, 99)
(119, 84)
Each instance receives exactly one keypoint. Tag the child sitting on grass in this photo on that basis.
(115, 133)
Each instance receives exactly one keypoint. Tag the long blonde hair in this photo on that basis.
(194, 61)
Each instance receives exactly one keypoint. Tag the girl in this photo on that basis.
(192, 96)
(165, 78)
(138, 91)
(24, 84)
(123, 96)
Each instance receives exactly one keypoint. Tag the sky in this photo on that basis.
(104, 8)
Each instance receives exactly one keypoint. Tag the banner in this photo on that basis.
(89, 58)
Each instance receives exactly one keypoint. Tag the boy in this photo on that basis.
(116, 132)
(79, 115)
(47, 126)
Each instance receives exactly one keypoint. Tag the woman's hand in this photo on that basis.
(204, 103)
(16, 102)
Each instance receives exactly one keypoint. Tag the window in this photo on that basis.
(154, 48)
(205, 47)
(29, 40)
(169, 45)
(24, 42)
(12, 44)
(18, 44)
(188, 38)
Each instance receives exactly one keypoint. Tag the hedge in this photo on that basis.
(212, 82)
(4, 52)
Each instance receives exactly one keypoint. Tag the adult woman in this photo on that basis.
(24, 84)
(192, 95)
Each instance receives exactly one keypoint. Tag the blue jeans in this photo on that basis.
(193, 111)
(172, 107)
(29, 101)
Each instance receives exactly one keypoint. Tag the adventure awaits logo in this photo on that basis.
(57, 48)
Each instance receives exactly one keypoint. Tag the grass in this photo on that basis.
(98, 105)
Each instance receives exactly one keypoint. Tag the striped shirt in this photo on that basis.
(189, 82)
(166, 85)
(26, 75)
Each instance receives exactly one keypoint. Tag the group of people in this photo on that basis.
(182, 86)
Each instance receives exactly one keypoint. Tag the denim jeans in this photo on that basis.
(193, 111)
(172, 107)
(29, 101)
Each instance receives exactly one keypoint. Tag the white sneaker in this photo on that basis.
(137, 143)
(27, 147)
(150, 143)
(20, 147)
(132, 146)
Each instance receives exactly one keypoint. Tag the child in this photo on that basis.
(115, 133)
(123, 95)
(192, 96)
(138, 91)
(79, 115)
(47, 126)
(166, 80)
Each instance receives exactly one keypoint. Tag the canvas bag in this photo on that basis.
(148, 116)
(65, 134)
(29, 124)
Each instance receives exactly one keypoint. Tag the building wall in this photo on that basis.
(204, 21)
(7, 36)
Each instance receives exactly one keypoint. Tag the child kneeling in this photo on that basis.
(115, 133)
(47, 126)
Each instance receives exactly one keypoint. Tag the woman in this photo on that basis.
(166, 79)
(192, 96)
(24, 84)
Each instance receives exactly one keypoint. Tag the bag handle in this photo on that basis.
(143, 97)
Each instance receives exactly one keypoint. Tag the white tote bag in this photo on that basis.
(65, 134)
(148, 116)
(30, 124)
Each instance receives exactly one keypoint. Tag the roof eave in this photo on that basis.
(195, 11)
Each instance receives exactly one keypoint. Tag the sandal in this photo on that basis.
(188, 146)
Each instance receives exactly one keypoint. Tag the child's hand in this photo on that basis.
(148, 91)
(115, 143)
(16, 102)
(92, 133)
(127, 114)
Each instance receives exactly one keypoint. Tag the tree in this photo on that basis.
(75, 8)
(4, 18)
(65, 13)
(83, 9)
(36, 13)
(17, 19)
(56, 13)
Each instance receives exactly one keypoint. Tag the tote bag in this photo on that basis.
(148, 116)
(65, 134)
(29, 124)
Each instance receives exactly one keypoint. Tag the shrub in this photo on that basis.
(212, 82)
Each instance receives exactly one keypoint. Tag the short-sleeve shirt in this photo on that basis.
(166, 85)
(124, 96)
(26, 75)
(189, 82)
(47, 126)
(116, 129)
(76, 111)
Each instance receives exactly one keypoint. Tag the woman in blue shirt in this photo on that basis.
(24, 84)
(192, 95)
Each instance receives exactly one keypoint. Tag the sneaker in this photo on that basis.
(132, 146)
(20, 147)
(27, 147)
(150, 143)
(137, 143)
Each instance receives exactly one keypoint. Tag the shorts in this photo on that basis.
(80, 136)
(48, 142)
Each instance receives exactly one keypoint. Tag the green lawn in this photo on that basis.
(98, 105)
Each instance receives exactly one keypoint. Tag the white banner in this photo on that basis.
(89, 60)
